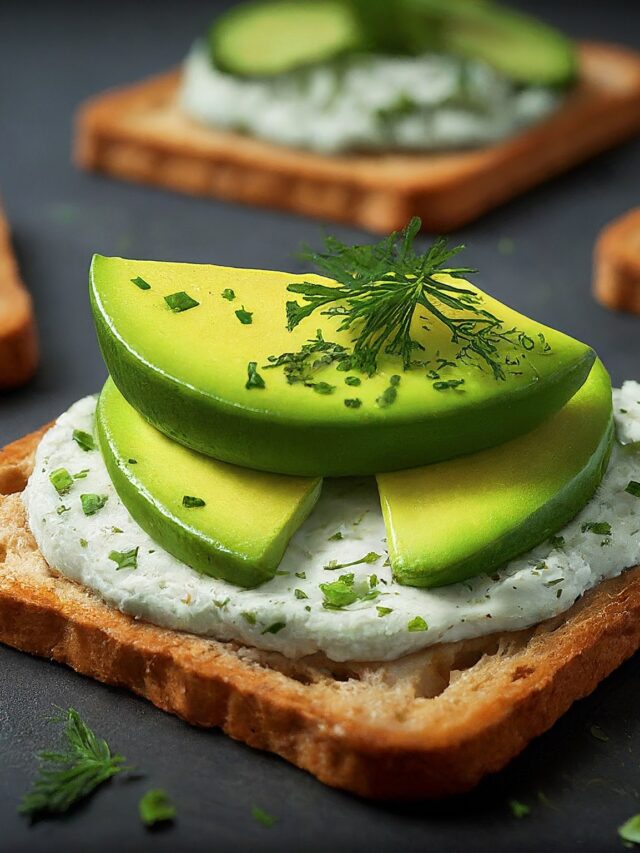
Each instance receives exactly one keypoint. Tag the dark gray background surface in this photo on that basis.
(52, 55)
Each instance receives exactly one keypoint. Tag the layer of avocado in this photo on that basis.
(520, 46)
(204, 354)
(457, 519)
(270, 37)
(219, 519)
(267, 38)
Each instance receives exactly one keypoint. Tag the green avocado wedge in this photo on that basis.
(219, 519)
(457, 519)
(180, 347)
(262, 39)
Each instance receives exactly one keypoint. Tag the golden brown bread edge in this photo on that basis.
(18, 341)
(616, 281)
(428, 725)
(139, 133)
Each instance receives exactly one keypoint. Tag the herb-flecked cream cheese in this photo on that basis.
(368, 102)
(110, 554)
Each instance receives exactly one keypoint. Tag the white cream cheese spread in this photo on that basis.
(287, 614)
(368, 102)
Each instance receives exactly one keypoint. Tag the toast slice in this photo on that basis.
(426, 725)
(139, 133)
(616, 281)
(18, 342)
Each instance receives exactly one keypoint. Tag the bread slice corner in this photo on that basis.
(616, 281)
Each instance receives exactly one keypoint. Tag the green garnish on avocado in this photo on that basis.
(92, 503)
(444, 385)
(228, 294)
(191, 503)
(125, 559)
(254, 380)
(141, 283)
(390, 394)
(61, 480)
(180, 301)
(155, 807)
(245, 317)
(84, 439)
(353, 402)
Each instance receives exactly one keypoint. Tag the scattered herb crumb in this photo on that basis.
(156, 807)
(300, 594)
(228, 294)
(254, 380)
(353, 402)
(262, 817)
(83, 543)
(84, 440)
(91, 504)
(125, 559)
(249, 616)
(191, 502)
(180, 301)
(598, 733)
(336, 537)
(61, 480)
(354, 381)
(245, 317)
(445, 384)
(630, 830)
(633, 488)
(384, 611)
(417, 624)
(369, 558)
(141, 283)
(600, 528)
(275, 628)
(519, 809)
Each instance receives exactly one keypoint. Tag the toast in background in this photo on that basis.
(616, 281)
(139, 133)
(429, 724)
(18, 342)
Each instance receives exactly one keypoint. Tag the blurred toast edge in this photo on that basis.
(139, 133)
(616, 282)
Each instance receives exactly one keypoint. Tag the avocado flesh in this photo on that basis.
(519, 46)
(248, 519)
(457, 519)
(186, 374)
(268, 38)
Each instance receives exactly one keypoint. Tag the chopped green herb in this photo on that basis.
(132, 461)
(323, 387)
(84, 439)
(245, 317)
(180, 301)
(390, 394)
(343, 592)
(598, 733)
(353, 403)
(630, 831)
(301, 575)
(156, 807)
(519, 809)
(556, 541)
(125, 559)
(384, 611)
(117, 530)
(70, 775)
(83, 543)
(262, 817)
(92, 503)
(633, 488)
(600, 528)
(221, 603)
(141, 283)
(190, 502)
(228, 294)
(445, 384)
(313, 356)
(62, 509)
(353, 380)
(275, 628)
(254, 380)
(249, 616)
(373, 580)
(300, 593)
(61, 480)
(417, 624)
(337, 536)
(81, 475)
(369, 558)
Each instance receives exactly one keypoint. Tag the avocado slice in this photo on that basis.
(457, 519)
(262, 39)
(521, 47)
(221, 520)
(179, 353)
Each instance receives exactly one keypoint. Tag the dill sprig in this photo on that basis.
(69, 776)
(379, 288)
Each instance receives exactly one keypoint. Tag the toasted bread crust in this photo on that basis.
(427, 725)
(18, 342)
(616, 281)
(139, 133)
